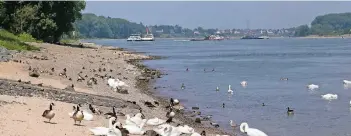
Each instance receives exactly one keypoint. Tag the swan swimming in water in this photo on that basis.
(346, 82)
(330, 97)
(312, 87)
(243, 83)
(230, 89)
(244, 127)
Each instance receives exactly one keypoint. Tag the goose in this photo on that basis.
(134, 129)
(87, 116)
(217, 89)
(103, 130)
(232, 124)
(164, 130)
(112, 114)
(78, 115)
(330, 97)
(230, 89)
(289, 111)
(243, 83)
(155, 121)
(170, 113)
(94, 110)
(49, 114)
(244, 127)
(312, 87)
(203, 133)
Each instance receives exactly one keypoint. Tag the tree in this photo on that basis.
(302, 30)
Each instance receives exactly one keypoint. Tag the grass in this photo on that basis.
(13, 42)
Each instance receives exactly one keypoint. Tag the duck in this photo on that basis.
(155, 121)
(330, 96)
(230, 90)
(78, 115)
(217, 89)
(244, 128)
(135, 129)
(312, 87)
(289, 111)
(243, 83)
(103, 130)
(49, 114)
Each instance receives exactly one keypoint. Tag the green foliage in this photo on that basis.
(13, 42)
(92, 26)
(331, 24)
(45, 20)
(302, 30)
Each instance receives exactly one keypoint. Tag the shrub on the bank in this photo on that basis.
(13, 42)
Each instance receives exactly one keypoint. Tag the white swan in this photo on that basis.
(195, 134)
(230, 89)
(137, 119)
(185, 129)
(115, 83)
(243, 83)
(244, 127)
(350, 103)
(103, 130)
(346, 82)
(114, 131)
(312, 87)
(155, 121)
(134, 129)
(330, 97)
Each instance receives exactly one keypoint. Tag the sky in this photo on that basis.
(221, 15)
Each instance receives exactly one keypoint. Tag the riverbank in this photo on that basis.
(98, 62)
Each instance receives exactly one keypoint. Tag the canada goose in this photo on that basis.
(49, 114)
(94, 110)
(214, 124)
(112, 114)
(290, 111)
(244, 127)
(78, 116)
(203, 133)
(170, 113)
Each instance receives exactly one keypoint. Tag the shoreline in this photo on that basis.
(16, 67)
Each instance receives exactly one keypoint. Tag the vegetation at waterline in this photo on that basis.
(44, 20)
(329, 24)
(13, 42)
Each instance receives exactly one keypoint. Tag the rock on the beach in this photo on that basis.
(123, 91)
(34, 73)
(5, 55)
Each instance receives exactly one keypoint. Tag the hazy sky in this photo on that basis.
(218, 14)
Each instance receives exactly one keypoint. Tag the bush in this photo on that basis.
(13, 42)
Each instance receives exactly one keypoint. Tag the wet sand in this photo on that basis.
(111, 61)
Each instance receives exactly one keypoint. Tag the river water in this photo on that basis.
(261, 63)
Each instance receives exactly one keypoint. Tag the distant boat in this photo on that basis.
(214, 37)
(254, 37)
(134, 37)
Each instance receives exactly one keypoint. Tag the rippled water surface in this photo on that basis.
(261, 63)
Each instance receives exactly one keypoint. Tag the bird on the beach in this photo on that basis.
(170, 113)
(203, 133)
(244, 127)
(104, 130)
(114, 113)
(78, 115)
(49, 114)
(214, 124)
(289, 111)
(94, 110)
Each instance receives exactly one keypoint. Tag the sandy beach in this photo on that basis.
(21, 112)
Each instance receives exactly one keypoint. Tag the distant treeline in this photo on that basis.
(44, 20)
(329, 24)
(93, 26)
